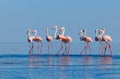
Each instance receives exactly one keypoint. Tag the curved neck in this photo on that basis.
(46, 32)
(35, 34)
(96, 32)
(103, 32)
(63, 32)
(55, 32)
(81, 33)
(29, 33)
(84, 33)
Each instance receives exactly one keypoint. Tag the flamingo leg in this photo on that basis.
(104, 49)
(52, 47)
(110, 49)
(62, 46)
(84, 49)
(41, 47)
(89, 48)
(65, 49)
(38, 48)
(30, 45)
(100, 47)
(48, 47)
(31, 49)
(69, 48)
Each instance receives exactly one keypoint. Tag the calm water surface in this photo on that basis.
(15, 63)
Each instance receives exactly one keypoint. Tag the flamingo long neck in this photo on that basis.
(84, 33)
(103, 32)
(47, 32)
(29, 34)
(56, 29)
(81, 34)
(96, 32)
(63, 32)
(35, 34)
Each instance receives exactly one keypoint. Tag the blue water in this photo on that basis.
(59, 67)
(15, 63)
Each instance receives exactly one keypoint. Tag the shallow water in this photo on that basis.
(59, 67)
(15, 63)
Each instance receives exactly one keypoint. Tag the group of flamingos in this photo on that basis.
(65, 41)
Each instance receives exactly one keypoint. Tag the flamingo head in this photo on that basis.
(96, 30)
(102, 30)
(81, 31)
(28, 31)
(84, 30)
(62, 29)
(34, 32)
(46, 29)
(54, 27)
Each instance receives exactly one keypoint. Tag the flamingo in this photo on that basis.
(58, 37)
(38, 39)
(30, 39)
(98, 38)
(48, 38)
(86, 39)
(106, 38)
(66, 39)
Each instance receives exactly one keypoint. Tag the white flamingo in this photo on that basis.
(86, 39)
(106, 38)
(58, 37)
(98, 38)
(30, 40)
(38, 39)
(66, 40)
(49, 39)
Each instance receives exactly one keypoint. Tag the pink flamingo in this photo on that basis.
(98, 37)
(38, 39)
(48, 38)
(66, 39)
(58, 37)
(86, 39)
(106, 38)
(30, 40)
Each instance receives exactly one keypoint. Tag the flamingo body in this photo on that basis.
(106, 38)
(86, 39)
(66, 40)
(38, 39)
(49, 38)
(31, 38)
